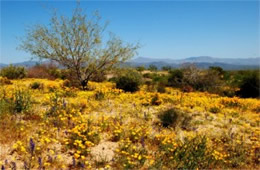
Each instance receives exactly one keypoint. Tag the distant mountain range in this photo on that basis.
(201, 62)
(24, 64)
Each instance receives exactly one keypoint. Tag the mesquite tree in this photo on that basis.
(77, 43)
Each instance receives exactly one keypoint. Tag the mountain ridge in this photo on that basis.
(200, 61)
(203, 59)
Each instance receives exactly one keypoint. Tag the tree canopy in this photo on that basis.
(77, 43)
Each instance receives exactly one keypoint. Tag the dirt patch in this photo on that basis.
(4, 151)
(104, 151)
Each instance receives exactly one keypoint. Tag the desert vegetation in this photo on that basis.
(130, 121)
(86, 110)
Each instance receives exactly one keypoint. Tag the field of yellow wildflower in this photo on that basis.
(47, 125)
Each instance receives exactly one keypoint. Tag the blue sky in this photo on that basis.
(168, 29)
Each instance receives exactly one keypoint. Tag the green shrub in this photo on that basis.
(231, 92)
(140, 68)
(193, 154)
(175, 78)
(250, 86)
(238, 152)
(13, 72)
(160, 79)
(22, 101)
(152, 67)
(174, 117)
(147, 75)
(169, 117)
(158, 83)
(202, 80)
(129, 82)
(99, 95)
(218, 70)
(214, 109)
(55, 104)
(185, 122)
(4, 107)
(161, 88)
(166, 68)
(150, 75)
(156, 100)
(19, 102)
(190, 154)
(36, 85)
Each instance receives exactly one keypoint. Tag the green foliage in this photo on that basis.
(129, 81)
(159, 79)
(229, 92)
(77, 43)
(200, 80)
(218, 70)
(152, 67)
(19, 102)
(4, 107)
(161, 88)
(55, 104)
(190, 154)
(158, 82)
(214, 109)
(155, 100)
(166, 68)
(175, 118)
(148, 75)
(98, 77)
(36, 85)
(169, 117)
(213, 80)
(13, 72)
(140, 68)
(193, 154)
(250, 85)
(237, 154)
(99, 95)
(175, 78)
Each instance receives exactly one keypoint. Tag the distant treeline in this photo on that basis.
(242, 83)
